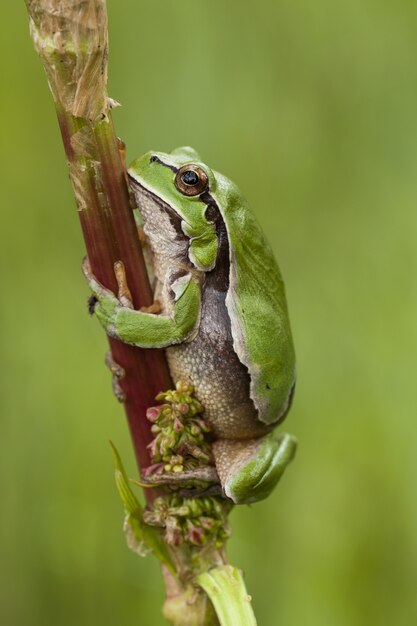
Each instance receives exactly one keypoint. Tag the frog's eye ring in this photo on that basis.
(191, 180)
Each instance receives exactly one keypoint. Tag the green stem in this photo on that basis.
(226, 589)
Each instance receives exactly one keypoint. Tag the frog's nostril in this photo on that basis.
(153, 159)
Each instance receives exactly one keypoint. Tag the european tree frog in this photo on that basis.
(223, 320)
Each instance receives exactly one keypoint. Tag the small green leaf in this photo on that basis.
(130, 502)
(140, 537)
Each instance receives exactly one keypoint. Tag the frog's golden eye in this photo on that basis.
(191, 180)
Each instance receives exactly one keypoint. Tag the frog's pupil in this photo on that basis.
(190, 178)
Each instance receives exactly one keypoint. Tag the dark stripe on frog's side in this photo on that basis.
(219, 275)
(220, 379)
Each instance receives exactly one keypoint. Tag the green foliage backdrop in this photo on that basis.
(312, 108)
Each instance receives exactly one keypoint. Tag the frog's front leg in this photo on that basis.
(250, 469)
(146, 329)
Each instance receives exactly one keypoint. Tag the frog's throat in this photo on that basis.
(174, 217)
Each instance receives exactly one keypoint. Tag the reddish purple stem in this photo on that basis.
(110, 235)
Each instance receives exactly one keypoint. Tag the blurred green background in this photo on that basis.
(311, 107)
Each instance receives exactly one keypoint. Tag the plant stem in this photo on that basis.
(226, 589)
(71, 39)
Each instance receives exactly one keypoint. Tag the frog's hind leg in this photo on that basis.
(250, 469)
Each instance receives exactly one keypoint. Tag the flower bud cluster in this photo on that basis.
(179, 431)
(180, 444)
(195, 521)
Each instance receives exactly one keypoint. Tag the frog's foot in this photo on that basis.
(125, 297)
(103, 296)
(145, 328)
(196, 483)
(104, 303)
(118, 373)
(250, 469)
(206, 473)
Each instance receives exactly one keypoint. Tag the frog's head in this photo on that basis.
(181, 185)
